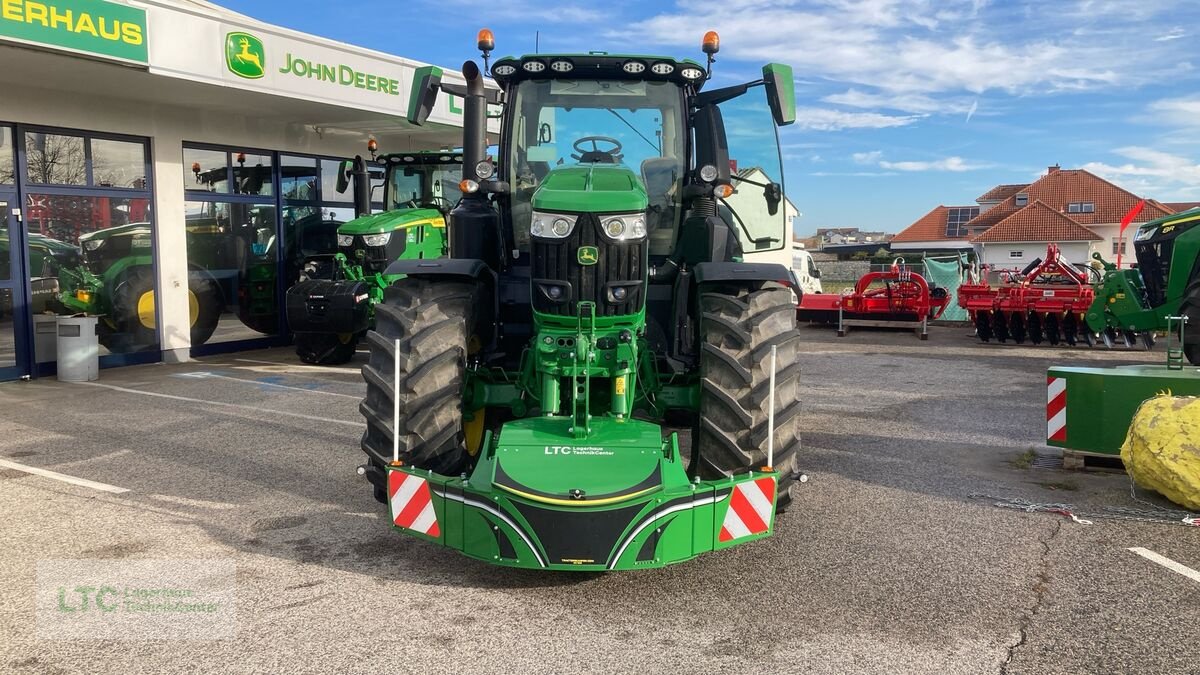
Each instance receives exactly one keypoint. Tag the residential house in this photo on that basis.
(1012, 224)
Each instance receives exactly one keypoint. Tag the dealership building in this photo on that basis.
(185, 154)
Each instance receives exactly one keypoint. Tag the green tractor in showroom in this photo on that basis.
(333, 306)
(1162, 293)
(519, 390)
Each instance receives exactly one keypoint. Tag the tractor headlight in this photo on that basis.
(377, 239)
(624, 226)
(552, 225)
(345, 240)
(93, 244)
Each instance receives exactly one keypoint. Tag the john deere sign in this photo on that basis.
(91, 26)
(244, 55)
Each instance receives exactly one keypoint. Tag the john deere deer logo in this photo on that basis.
(245, 56)
(587, 255)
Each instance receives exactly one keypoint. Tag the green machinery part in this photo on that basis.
(1165, 284)
(330, 309)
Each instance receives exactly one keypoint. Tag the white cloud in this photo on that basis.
(910, 103)
(867, 157)
(1184, 112)
(1173, 34)
(1152, 173)
(955, 164)
(825, 119)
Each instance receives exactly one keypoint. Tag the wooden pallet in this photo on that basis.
(1078, 460)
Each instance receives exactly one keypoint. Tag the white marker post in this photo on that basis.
(396, 402)
(771, 412)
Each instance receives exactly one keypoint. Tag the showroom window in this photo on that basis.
(233, 244)
(89, 229)
(8, 159)
(257, 223)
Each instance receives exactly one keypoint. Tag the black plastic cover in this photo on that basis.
(324, 306)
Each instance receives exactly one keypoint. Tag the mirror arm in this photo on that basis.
(718, 96)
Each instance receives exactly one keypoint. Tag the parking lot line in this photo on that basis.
(44, 473)
(1167, 563)
(204, 374)
(188, 399)
(297, 367)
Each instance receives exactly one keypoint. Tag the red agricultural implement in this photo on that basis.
(896, 298)
(1045, 302)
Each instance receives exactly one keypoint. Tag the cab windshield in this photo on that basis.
(425, 186)
(553, 118)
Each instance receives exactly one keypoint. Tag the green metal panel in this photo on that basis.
(1100, 402)
(631, 507)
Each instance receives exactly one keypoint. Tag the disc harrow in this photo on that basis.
(1045, 303)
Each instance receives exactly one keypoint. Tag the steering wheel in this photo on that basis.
(440, 203)
(596, 155)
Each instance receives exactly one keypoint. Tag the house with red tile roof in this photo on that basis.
(942, 229)
(1013, 223)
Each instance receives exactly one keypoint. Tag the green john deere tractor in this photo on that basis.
(333, 305)
(1165, 285)
(595, 290)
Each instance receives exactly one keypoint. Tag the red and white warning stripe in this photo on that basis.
(751, 506)
(1056, 409)
(411, 503)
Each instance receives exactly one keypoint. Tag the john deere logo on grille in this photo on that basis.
(587, 255)
(245, 56)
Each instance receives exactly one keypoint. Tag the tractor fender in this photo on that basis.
(458, 269)
(709, 272)
(469, 268)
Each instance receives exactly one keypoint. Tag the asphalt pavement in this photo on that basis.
(887, 564)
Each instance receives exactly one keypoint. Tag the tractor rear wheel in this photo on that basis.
(433, 322)
(326, 349)
(133, 326)
(1191, 331)
(738, 327)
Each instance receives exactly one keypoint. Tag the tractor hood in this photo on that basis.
(130, 230)
(391, 221)
(593, 188)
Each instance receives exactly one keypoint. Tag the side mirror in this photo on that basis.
(343, 176)
(816, 274)
(773, 193)
(781, 92)
(426, 82)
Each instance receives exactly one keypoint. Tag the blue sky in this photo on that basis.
(903, 104)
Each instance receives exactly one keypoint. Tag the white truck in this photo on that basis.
(807, 274)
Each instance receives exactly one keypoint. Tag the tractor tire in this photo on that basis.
(433, 322)
(1191, 331)
(738, 327)
(133, 325)
(326, 349)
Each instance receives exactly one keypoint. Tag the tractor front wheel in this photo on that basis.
(739, 326)
(432, 321)
(326, 349)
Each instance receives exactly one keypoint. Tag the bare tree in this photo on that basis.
(52, 158)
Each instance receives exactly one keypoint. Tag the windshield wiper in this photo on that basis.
(657, 148)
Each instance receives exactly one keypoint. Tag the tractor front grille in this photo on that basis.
(375, 258)
(618, 264)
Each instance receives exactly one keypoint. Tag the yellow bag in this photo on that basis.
(1162, 450)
